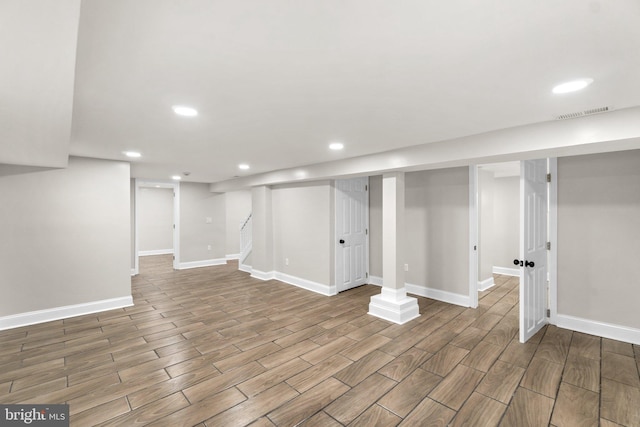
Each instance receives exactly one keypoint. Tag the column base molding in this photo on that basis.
(394, 305)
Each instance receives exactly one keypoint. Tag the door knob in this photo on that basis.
(341, 241)
(517, 262)
(529, 264)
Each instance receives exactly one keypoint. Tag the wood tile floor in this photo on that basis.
(214, 347)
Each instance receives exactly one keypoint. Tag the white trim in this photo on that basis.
(245, 267)
(262, 275)
(506, 271)
(601, 329)
(306, 284)
(440, 295)
(553, 238)
(57, 313)
(375, 280)
(485, 284)
(230, 257)
(394, 305)
(473, 237)
(156, 252)
(203, 263)
(134, 272)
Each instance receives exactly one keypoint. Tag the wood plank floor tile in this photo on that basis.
(100, 413)
(479, 410)
(358, 371)
(582, 372)
(620, 368)
(469, 338)
(542, 377)
(317, 373)
(308, 403)
(619, 403)
(260, 422)
(575, 406)
(321, 419)
(528, 409)
(270, 378)
(218, 383)
(501, 381)
(255, 407)
(409, 392)
(436, 341)
(518, 354)
(613, 346)
(429, 413)
(286, 354)
(456, 387)
(376, 416)
(325, 351)
(554, 346)
(151, 412)
(404, 364)
(355, 401)
(364, 347)
(482, 356)
(445, 360)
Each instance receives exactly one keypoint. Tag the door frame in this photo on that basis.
(552, 230)
(145, 183)
(336, 238)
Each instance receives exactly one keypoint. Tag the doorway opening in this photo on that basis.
(513, 220)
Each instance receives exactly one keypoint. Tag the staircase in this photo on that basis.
(245, 244)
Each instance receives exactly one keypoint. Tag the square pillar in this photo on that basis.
(393, 304)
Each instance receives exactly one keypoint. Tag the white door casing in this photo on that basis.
(351, 232)
(533, 247)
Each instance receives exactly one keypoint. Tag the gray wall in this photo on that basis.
(238, 207)
(437, 218)
(375, 225)
(66, 237)
(506, 225)
(197, 204)
(155, 219)
(486, 236)
(599, 237)
(302, 224)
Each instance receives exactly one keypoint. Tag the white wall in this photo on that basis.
(197, 204)
(155, 219)
(302, 221)
(238, 207)
(506, 221)
(66, 237)
(599, 237)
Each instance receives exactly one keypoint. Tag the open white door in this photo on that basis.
(533, 247)
(352, 222)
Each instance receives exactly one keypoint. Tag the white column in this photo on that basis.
(262, 233)
(393, 304)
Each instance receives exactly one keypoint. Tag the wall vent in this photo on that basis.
(583, 113)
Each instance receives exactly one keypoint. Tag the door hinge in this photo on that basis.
(548, 177)
(548, 312)
(548, 246)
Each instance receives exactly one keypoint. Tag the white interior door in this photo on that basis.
(533, 247)
(352, 222)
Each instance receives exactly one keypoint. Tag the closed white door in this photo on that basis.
(352, 222)
(533, 247)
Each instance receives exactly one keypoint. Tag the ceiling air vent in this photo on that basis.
(583, 113)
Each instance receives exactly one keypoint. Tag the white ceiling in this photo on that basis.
(275, 82)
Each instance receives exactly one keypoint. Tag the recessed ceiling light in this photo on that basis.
(572, 86)
(336, 146)
(132, 154)
(183, 110)
(176, 177)
(243, 166)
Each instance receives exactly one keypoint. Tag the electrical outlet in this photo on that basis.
(286, 261)
(406, 267)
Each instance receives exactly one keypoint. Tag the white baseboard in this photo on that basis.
(57, 313)
(156, 252)
(203, 263)
(485, 284)
(506, 271)
(375, 280)
(232, 256)
(134, 271)
(245, 267)
(394, 306)
(263, 275)
(437, 294)
(602, 329)
(306, 284)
